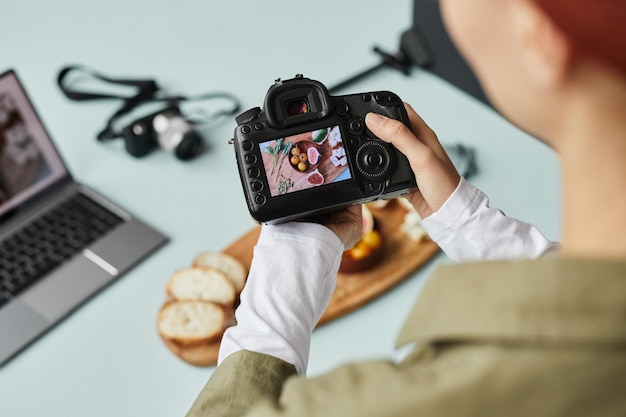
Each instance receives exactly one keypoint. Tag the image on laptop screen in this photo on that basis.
(28, 160)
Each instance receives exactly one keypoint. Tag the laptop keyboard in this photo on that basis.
(47, 242)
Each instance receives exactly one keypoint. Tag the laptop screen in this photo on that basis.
(29, 161)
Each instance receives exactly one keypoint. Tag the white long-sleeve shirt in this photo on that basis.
(467, 229)
(294, 267)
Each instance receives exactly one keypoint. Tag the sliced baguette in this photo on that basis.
(189, 323)
(201, 283)
(231, 267)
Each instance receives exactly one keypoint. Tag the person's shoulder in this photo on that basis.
(517, 379)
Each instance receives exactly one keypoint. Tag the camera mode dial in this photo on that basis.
(248, 115)
(374, 160)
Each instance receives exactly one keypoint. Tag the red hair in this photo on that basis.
(594, 28)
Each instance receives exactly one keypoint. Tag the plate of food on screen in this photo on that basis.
(305, 156)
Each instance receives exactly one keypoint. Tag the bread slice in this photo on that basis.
(189, 323)
(201, 283)
(231, 267)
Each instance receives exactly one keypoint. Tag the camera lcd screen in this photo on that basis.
(306, 160)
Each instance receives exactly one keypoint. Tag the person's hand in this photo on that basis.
(280, 306)
(435, 174)
(347, 224)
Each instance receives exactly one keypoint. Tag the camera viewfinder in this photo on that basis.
(297, 107)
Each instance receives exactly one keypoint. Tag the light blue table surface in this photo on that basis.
(107, 358)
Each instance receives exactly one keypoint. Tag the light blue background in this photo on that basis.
(107, 359)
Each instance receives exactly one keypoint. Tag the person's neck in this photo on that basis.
(592, 146)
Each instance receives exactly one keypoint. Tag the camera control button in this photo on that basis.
(256, 186)
(250, 159)
(247, 145)
(372, 187)
(384, 99)
(342, 109)
(374, 160)
(355, 141)
(245, 129)
(260, 199)
(356, 126)
(366, 97)
(254, 172)
(259, 126)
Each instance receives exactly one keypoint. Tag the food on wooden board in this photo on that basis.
(231, 267)
(190, 322)
(201, 306)
(368, 251)
(201, 283)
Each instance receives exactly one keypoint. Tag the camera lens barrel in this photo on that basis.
(189, 146)
(138, 138)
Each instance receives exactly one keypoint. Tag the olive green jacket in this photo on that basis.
(527, 338)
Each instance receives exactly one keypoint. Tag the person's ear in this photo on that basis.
(546, 52)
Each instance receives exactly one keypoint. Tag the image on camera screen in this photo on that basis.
(305, 160)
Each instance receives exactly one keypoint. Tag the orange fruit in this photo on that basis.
(302, 166)
(295, 160)
(303, 157)
(360, 251)
(372, 239)
(295, 151)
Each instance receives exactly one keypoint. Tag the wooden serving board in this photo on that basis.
(401, 257)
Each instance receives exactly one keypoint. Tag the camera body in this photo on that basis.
(308, 153)
(166, 128)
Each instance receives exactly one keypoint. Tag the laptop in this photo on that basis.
(60, 241)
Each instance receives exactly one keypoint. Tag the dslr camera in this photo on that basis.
(308, 153)
(167, 129)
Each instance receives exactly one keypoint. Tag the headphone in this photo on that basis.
(168, 127)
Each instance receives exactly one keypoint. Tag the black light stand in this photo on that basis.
(412, 51)
(427, 44)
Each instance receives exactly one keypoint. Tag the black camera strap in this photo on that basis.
(146, 91)
(197, 118)
(145, 88)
